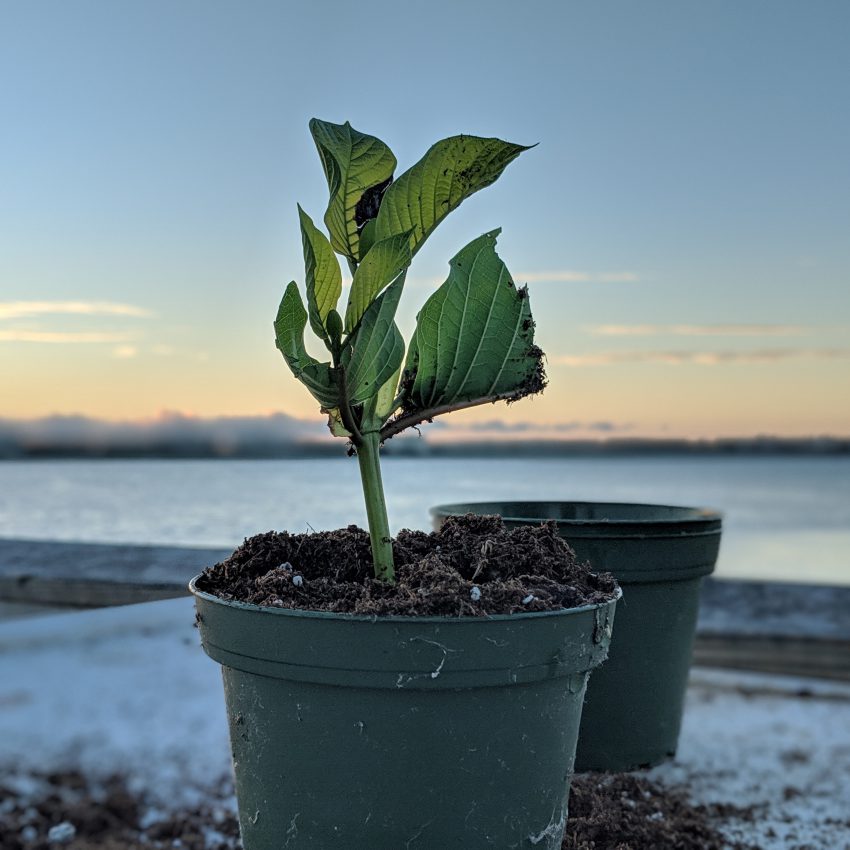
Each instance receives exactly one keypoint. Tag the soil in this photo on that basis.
(607, 812)
(473, 566)
(55, 810)
(627, 812)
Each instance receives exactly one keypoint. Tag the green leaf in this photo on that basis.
(385, 401)
(324, 278)
(380, 267)
(377, 347)
(289, 333)
(450, 172)
(474, 338)
(333, 324)
(358, 168)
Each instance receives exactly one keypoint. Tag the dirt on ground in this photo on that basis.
(67, 810)
(473, 566)
(51, 811)
(623, 811)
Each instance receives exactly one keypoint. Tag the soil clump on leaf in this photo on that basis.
(473, 566)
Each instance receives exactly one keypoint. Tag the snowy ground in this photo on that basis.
(770, 740)
(128, 690)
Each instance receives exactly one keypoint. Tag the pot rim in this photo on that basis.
(679, 514)
(392, 618)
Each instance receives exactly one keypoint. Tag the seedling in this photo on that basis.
(474, 337)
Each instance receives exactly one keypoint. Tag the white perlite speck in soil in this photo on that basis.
(62, 833)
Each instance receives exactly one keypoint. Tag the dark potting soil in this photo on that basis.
(472, 566)
(607, 812)
(622, 811)
(68, 810)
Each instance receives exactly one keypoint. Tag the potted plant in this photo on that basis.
(659, 554)
(422, 692)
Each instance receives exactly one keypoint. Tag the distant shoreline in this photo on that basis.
(211, 450)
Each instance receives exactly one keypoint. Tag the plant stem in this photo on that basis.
(368, 456)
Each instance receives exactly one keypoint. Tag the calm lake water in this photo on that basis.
(786, 518)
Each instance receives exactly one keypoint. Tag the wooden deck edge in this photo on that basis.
(780, 654)
(84, 593)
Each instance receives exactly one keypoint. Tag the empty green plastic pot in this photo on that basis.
(366, 733)
(659, 555)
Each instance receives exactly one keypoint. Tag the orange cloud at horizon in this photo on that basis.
(126, 374)
(664, 402)
(700, 330)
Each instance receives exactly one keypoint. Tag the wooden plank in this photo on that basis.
(122, 563)
(770, 609)
(786, 655)
(84, 593)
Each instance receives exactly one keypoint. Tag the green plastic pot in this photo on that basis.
(659, 555)
(366, 733)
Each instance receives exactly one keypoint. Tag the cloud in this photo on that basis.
(602, 426)
(60, 337)
(699, 330)
(221, 435)
(701, 358)
(27, 309)
(233, 435)
(125, 352)
(569, 276)
(499, 426)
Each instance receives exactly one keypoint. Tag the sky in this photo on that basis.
(683, 223)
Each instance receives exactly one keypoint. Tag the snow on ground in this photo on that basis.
(115, 690)
(752, 739)
(128, 690)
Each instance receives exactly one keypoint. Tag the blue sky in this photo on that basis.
(683, 222)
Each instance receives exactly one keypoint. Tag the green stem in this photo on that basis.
(368, 456)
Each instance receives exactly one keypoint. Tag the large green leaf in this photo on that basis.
(289, 336)
(324, 278)
(380, 267)
(474, 338)
(358, 168)
(450, 172)
(377, 347)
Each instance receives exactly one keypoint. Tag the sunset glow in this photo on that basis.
(685, 245)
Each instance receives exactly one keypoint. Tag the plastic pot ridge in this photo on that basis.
(363, 732)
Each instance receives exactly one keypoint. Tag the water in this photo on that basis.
(786, 518)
